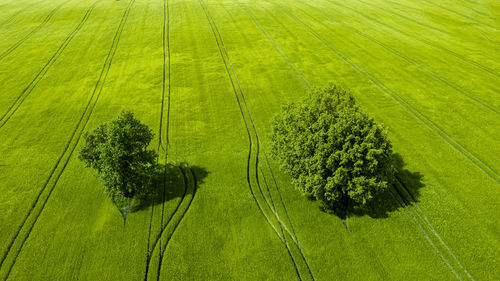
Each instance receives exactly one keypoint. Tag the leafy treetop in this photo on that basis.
(117, 150)
(333, 151)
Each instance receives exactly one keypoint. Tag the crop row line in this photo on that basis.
(230, 69)
(167, 148)
(460, 14)
(420, 67)
(306, 85)
(219, 42)
(169, 237)
(410, 214)
(443, 17)
(280, 51)
(22, 40)
(461, 57)
(39, 76)
(426, 42)
(18, 10)
(426, 220)
(413, 111)
(47, 181)
(75, 137)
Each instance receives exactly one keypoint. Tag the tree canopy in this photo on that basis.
(117, 150)
(333, 151)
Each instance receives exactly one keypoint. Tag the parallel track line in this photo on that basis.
(419, 116)
(88, 109)
(39, 76)
(33, 31)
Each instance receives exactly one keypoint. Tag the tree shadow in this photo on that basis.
(169, 181)
(402, 191)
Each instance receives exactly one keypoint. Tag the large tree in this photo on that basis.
(333, 151)
(118, 151)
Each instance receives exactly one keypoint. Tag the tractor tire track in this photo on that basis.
(245, 122)
(422, 214)
(443, 18)
(45, 184)
(461, 57)
(76, 135)
(413, 111)
(426, 42)
(408, 211)
(459, 14)
(169, 237)
(428, 223)
(166, 21)
(17, 12)
(33, 31)
(223, 52)
(166, 53)
(157, 240)
(411, 61)
(258, 144)
(487, 37)
(219, 43)
(39, 76)
(307, 86)
(303, 80)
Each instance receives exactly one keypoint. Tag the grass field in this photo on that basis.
(208, 76)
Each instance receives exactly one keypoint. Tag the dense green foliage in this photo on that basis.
(118, 151)
(73, 233)
(333, 151)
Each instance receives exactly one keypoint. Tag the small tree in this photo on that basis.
(332, 150)
(117, 150)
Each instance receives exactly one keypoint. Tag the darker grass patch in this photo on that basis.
(169, 178)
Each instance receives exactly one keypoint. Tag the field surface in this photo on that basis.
(208, 76)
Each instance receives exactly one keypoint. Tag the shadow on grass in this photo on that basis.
(170, 181)
(404, 190)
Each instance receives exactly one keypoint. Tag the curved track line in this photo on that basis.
(39, 76)
(419, 116)
(306, 85)
(244, 120)
(88, 109)
(422, 214)
(166, 45)
(158, 238)
(420, 67)
(282, 225)
(22, 40)
(166, 21)
(195, 184)
(219, 43)
(290, 63)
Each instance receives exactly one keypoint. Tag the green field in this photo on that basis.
(208, 76)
